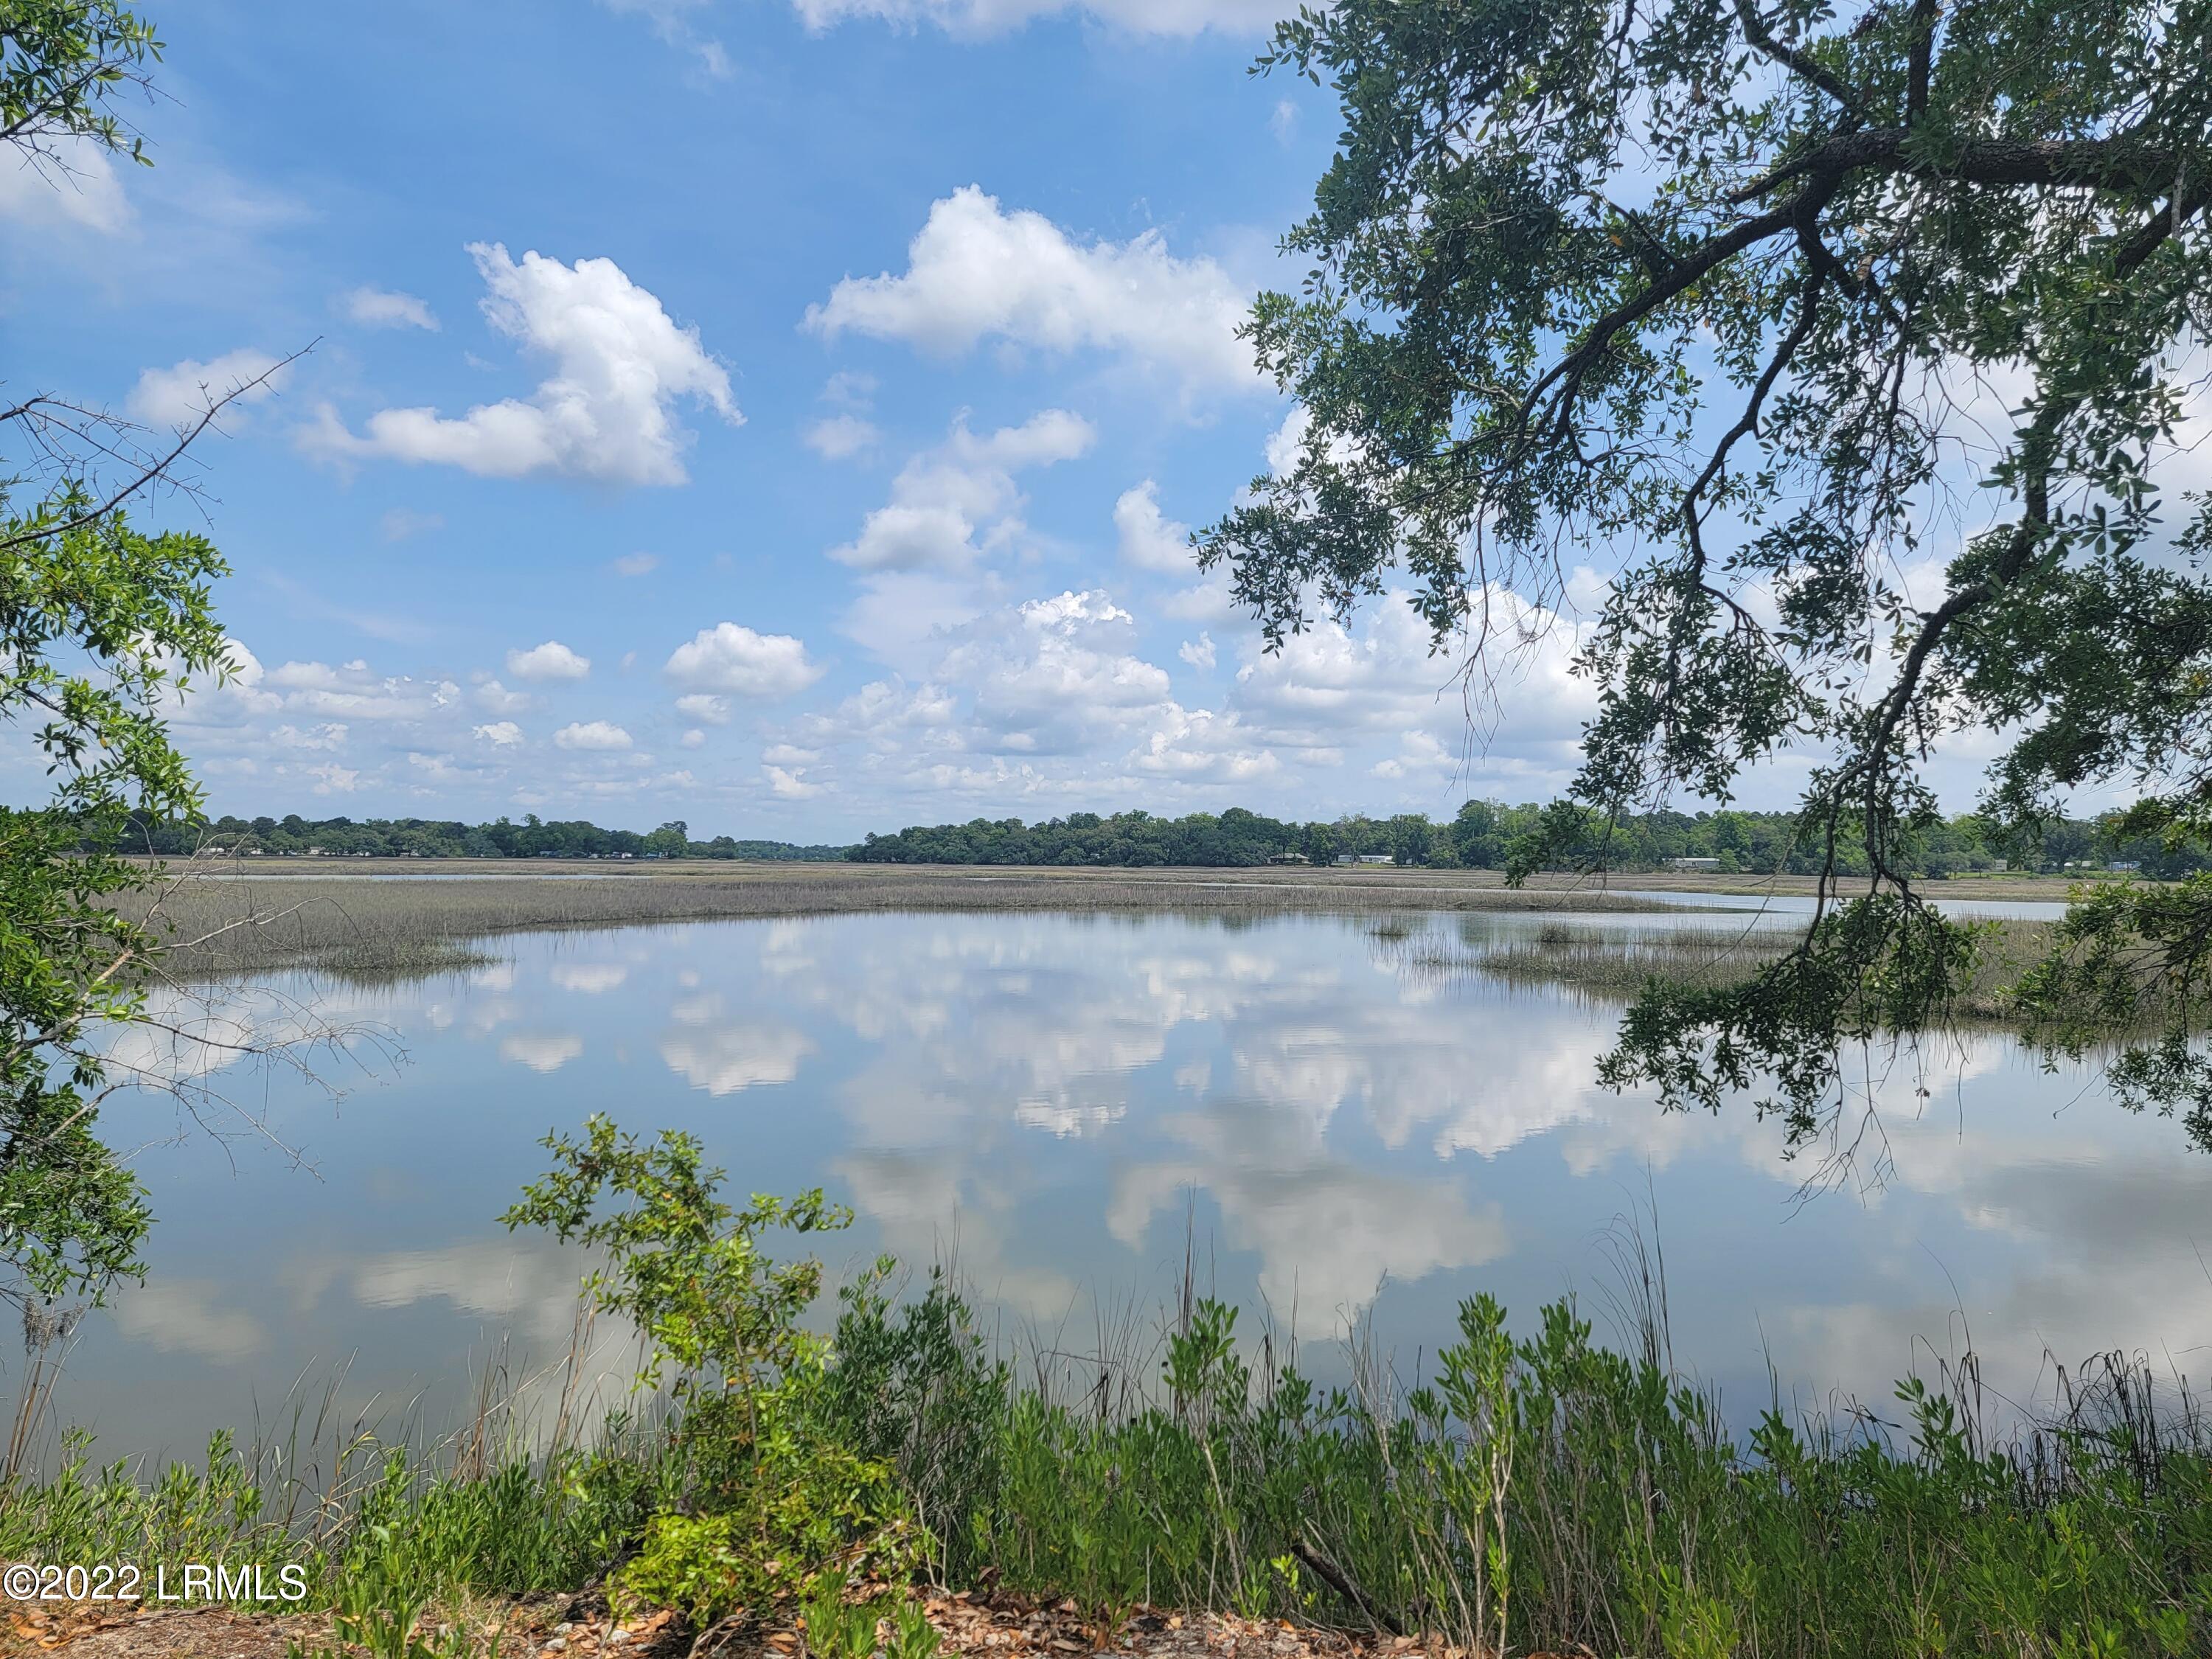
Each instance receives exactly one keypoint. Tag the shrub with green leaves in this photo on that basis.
(757, 1501)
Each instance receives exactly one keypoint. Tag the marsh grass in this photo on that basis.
(224, 922)
(1612, 966)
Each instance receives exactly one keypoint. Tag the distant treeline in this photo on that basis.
(1481, 835)
(436, 838)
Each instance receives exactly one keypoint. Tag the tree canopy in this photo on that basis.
(103, 625)
(1862, 339)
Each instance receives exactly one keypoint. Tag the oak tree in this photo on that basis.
(1859, 343)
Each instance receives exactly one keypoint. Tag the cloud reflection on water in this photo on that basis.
(1052, 1098)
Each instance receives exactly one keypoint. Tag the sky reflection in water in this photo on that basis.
(1059, 1101)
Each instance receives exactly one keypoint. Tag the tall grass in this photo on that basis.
(1539, 1494)
(1519, 1496)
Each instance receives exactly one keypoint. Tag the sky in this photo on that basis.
(785, 415)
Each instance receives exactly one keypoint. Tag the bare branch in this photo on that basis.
(156, 470)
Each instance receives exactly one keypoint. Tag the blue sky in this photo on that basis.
(782, 415)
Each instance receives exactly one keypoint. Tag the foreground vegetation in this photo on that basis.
(1521, 1494)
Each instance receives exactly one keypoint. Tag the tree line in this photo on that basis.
(1486, 834)
(294, 836)
(1483, 835)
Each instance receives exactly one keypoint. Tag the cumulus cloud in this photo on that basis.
(1148, 540)
(180, 394)
(636, 564)
(791, 784)
(733, 658)
(495, 699)
(499, 734)
(606, 412)
(1198, 653)
(592, 735)
(378, 308)
(1045, 698)
(550, 661)
(704, 706)
(355, 691)
(952, 504)
(976, 272)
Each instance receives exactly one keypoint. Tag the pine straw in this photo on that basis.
(987, 1626)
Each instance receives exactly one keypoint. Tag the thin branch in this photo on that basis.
(156, 468)
(1796, 62)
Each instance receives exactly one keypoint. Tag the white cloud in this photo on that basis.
(840, 437)
(790, 785)
(377, 308)
(495, 699)
(694, 739)
(499, 734)
(1284, 122)
(952, 504)
(1045, 700)
(74, 184)
(731, 657)
(704, 706)
(975, 271)
(353, 690)
(1198, 653)
(179, 395)
(1180, 18)
(619, 366)
(636, 564)
(550, 661)
(1148, 541)
(592, 735)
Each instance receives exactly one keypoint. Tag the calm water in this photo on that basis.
(1063, 1102)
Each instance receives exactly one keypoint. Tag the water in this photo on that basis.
(1064, 1103)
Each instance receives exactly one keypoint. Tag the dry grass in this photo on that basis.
(225, 920)
(1613, 967)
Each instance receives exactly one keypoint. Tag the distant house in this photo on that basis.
(1288, 858)
(1693, 864)
(2123, 866)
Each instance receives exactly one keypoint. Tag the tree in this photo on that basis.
(1732, 285)
(1475, 834)
(102, 625)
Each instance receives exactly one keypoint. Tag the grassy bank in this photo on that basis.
(1517, 1495)
(1526, 1496)
(225, 922)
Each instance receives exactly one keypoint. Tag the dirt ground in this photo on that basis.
(574, 1627)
